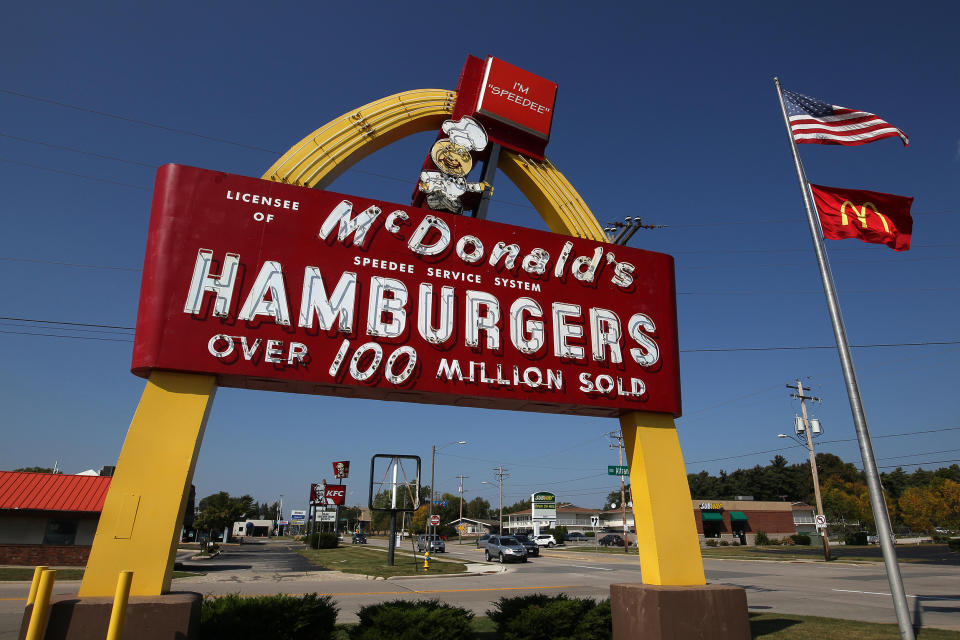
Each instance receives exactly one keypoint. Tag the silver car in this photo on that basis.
(431, 543)
(505, 548)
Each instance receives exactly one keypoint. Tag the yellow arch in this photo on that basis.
(140, 523)
(318, 159)
(663, 514)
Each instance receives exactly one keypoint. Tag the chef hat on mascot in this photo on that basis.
(466, 132)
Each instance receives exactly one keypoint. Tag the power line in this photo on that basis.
(75, 175)
(80, 151)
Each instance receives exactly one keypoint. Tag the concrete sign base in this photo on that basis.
(653, 612)
(176, 615)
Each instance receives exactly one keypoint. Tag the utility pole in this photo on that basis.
(618, 437)
(500, 473)
(460, 527)
(813, 459)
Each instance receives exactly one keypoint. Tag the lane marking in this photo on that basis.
(583, 566)
(400, 591)
(880, 593)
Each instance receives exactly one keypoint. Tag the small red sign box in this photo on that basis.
(341, 469)
(517, 97)
(434, 520)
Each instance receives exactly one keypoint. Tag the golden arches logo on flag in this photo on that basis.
(879, 218)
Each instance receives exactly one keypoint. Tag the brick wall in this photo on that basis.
(31, 555)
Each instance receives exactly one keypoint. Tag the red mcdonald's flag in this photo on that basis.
(881, 218)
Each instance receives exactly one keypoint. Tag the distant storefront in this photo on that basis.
(48, 518)
(741, 520)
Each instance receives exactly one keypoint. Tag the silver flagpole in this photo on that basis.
(879, 506)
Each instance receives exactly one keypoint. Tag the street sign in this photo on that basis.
(442, 503)
(614, 470)
(461, 528)
(594, 521)
(820, 521)
(434, 520)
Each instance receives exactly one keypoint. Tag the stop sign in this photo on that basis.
(434, 520)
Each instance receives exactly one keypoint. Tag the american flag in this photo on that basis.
(816, 122)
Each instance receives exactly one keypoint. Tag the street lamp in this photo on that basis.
(499, 484)
(433, 460)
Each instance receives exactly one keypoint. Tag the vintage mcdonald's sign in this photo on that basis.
(879, 218)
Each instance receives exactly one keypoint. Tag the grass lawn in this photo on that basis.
(372, 562)
(784, 626)
(768, 626)
(788, 553)
(26, 573)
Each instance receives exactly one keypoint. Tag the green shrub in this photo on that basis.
(776, 542)
(953, 544)
(857, 537)
(711, 542)
(558, 533)
(280, 617)
(724, 543)
(541, 617)
(761, 539)
(591, 534)
(406, 620)
(801, 539)
(736, 543)
(322, 541)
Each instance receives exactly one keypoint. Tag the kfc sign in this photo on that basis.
(335, 493)
(316, 493)
(341, 469)
(271, 286)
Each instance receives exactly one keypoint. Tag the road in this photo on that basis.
(839, 590)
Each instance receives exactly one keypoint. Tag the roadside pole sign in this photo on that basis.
(594, 521)
(615, 470)
(461, 528)
(820, 520)
(434, 520)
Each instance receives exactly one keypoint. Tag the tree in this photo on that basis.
(614, 498)
(219, 511)
(34, 470)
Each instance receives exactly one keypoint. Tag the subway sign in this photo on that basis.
(277, 287)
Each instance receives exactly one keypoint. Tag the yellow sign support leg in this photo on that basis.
(141, 519)
(666, 530)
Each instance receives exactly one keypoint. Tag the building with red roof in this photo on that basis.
(49, 518)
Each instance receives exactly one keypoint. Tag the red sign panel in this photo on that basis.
(316, 493)
(335, 493)
(517, 97)
(341, 469)
(271, 286)
(434, 520)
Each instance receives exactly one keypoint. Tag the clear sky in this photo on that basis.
(667, 113)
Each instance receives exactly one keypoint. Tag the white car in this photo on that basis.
(545, 540)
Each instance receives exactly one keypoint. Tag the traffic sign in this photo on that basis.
(594, 521)
(434, 520)
(614, 470)
(461, 528)
(820, 521)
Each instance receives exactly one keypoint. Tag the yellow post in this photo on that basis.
(119, 611)
(37, 572)
(140, 524)
(41, 605)
(666, 530)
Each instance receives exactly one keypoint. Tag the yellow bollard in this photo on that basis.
(120, 599)
(37, 572)
(41, 605)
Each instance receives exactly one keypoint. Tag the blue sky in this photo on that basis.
(665, 113)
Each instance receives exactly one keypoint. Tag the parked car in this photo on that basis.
(611, 540)
(545, 540)
(482, 541)
(505, 548)
(533, 549)
(432, 543)
(576, 536)
(358, 538)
